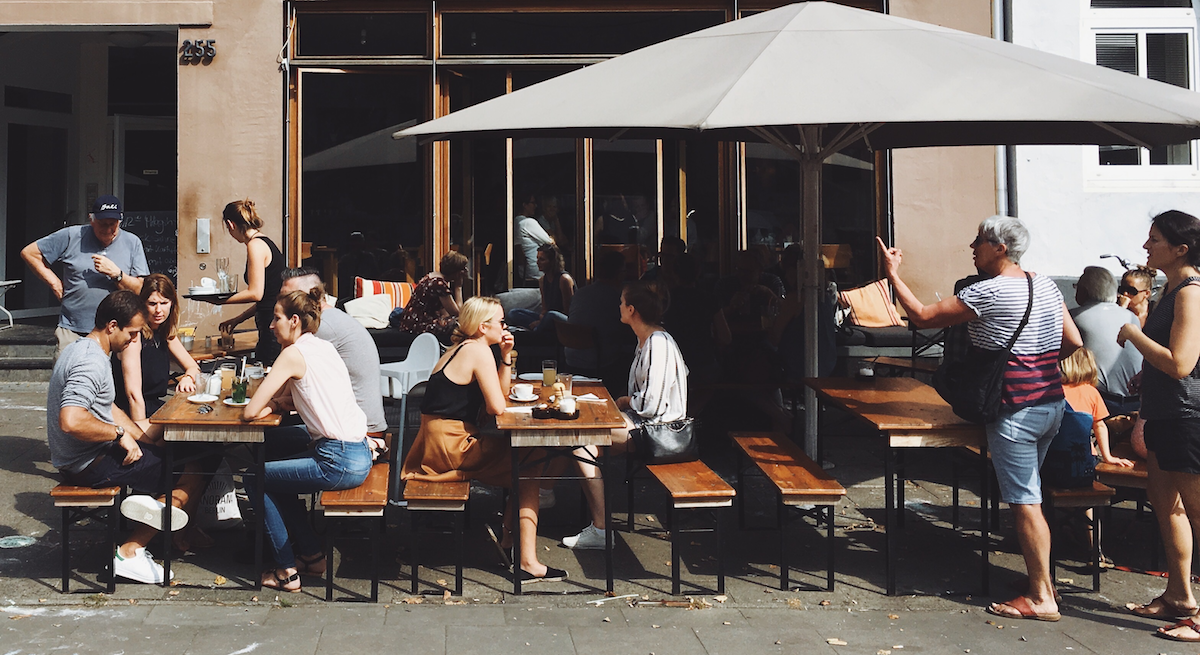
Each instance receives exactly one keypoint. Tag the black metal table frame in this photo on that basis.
(553, 452)
(260, 467)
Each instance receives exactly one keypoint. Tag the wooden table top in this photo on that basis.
(243, 344)
(595, 419)
(179, 411)
(891, 404)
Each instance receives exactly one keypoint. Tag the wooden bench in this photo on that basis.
(423, 496)
(367, 500)
(79, 503)
(907, 365)
(691, 486)
(1098, 495)
(798, 480)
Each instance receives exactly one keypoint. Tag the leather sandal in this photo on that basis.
(281, 582)
(1161, 608)
(1193, 632)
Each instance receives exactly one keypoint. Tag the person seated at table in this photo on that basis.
(466, 382)
(143, 369)
(94, 444)
(1137, 285)
(437, 299)
(309, 377)
(658, 393)
(557, 288)
(1099, 319)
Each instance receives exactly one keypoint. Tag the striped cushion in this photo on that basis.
(871, 305)
(398, 292)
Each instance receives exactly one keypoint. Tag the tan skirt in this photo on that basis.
(447, 450)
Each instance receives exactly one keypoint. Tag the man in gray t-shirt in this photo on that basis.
(1099, 319)
(93, 444)
(97, 260)
(352, 342)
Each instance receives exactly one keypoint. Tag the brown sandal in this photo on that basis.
(1161, 608)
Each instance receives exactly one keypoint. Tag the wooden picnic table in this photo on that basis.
(244, 343)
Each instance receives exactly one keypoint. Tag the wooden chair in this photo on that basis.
(79, 503)
(798, 481)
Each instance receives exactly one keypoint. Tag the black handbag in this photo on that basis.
(972, 383)
(1069, 462)
(666, 443)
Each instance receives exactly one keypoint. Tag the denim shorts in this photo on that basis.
(1018, 442)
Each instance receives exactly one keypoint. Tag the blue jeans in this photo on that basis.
(329, 465)
(524, 317)
(1018, 441)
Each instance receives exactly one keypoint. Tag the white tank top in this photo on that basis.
(324, 397)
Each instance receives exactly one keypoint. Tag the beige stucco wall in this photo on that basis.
(42, 13)
(941, 194)
(230, 140)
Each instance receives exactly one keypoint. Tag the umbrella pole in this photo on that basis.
(813, 282)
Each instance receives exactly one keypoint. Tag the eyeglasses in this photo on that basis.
(503, 323)
(980, 240)
(1127, 290)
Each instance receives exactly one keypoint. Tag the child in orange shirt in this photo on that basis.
(1079, 378)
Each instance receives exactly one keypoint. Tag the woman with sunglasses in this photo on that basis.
(466, 383)
(1170, 344)
(1137, 285)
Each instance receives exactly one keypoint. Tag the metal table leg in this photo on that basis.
(260, 519)
(984, 516)
(606, 475)
(514, 497)
(889, 550)
(167, 475)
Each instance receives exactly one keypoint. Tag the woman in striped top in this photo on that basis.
(1032, 396)
(1170, 344)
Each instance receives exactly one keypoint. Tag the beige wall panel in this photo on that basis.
(106, 12)
(940, 194)
(230, 141)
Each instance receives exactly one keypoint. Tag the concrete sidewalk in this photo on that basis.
(939, 609)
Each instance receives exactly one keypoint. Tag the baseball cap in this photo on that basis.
(106, 207)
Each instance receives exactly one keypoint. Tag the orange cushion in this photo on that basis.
(871, 305)
(398, 292)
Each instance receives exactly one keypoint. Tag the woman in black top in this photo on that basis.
(1170, 344)
(141, 371)
(557, 289)
(264, 264)
(466, 381)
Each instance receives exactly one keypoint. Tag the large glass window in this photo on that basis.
(362, 193)
(563, 33)
(625, 184)
(326, 35)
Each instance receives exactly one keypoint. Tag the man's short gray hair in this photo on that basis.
(1096, 284)
(1009, 231)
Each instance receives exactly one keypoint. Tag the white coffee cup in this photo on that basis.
(523, 391)
(566, 404)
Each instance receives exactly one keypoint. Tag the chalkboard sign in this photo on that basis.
(160, 238)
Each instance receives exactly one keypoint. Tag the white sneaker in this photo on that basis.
(592, 538)
(147, 510)
(546, 498)
(140, 568)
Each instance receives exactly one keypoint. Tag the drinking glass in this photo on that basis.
(227, 374)
(549, 372)
(565, 380)
(239, 389)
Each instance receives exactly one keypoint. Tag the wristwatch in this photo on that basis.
(120, 433)
(117, 279)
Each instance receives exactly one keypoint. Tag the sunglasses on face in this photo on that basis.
(1126, 290)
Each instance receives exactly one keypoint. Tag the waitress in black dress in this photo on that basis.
(264, 264)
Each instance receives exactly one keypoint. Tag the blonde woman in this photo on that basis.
(466, 382)
(310, 377)
(264, 264)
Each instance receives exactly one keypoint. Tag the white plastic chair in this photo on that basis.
(397, 378)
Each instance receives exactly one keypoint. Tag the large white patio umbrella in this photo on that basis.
(813, 78)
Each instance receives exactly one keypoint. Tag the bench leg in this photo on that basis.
(829, 541)
(720, 518)
(954, 482)
(414, 549)
(114, 514)
(629, 497)
(376, 537)
(460, 547)
(1048, 510)
(674, 553)
(330, 528)
(66, 550)
(1096, 548)
(901, 474)
(782, 516)
(987, 492)
(741, 491)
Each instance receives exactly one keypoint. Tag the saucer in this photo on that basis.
(518, 399)
(202, 398)
(229, 401)
(530, 377)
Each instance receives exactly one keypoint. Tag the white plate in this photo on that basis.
(530, 377)
(202, 398)
(229, 401)
(522, 400)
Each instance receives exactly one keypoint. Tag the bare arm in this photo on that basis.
(82, 425)
(1071, 339)
(454, 300)
(191, 370)
(289, 365)
(33, 258)
(228, 325)
(131, 368)
(1100, 428)
(108, 268)
(566, 285)
(257, 256)
(1180, 359)
(492, 381)
(950, 311)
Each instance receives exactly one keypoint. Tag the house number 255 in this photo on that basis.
(198, 49)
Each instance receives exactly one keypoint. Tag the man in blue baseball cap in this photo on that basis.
(97, 260)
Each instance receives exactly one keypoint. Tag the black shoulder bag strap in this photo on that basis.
(1025, 319)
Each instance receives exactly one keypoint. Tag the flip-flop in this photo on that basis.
(1186, 623)
(1021, 586)
(1021, 604)
(552, 575)
(1161, 608)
